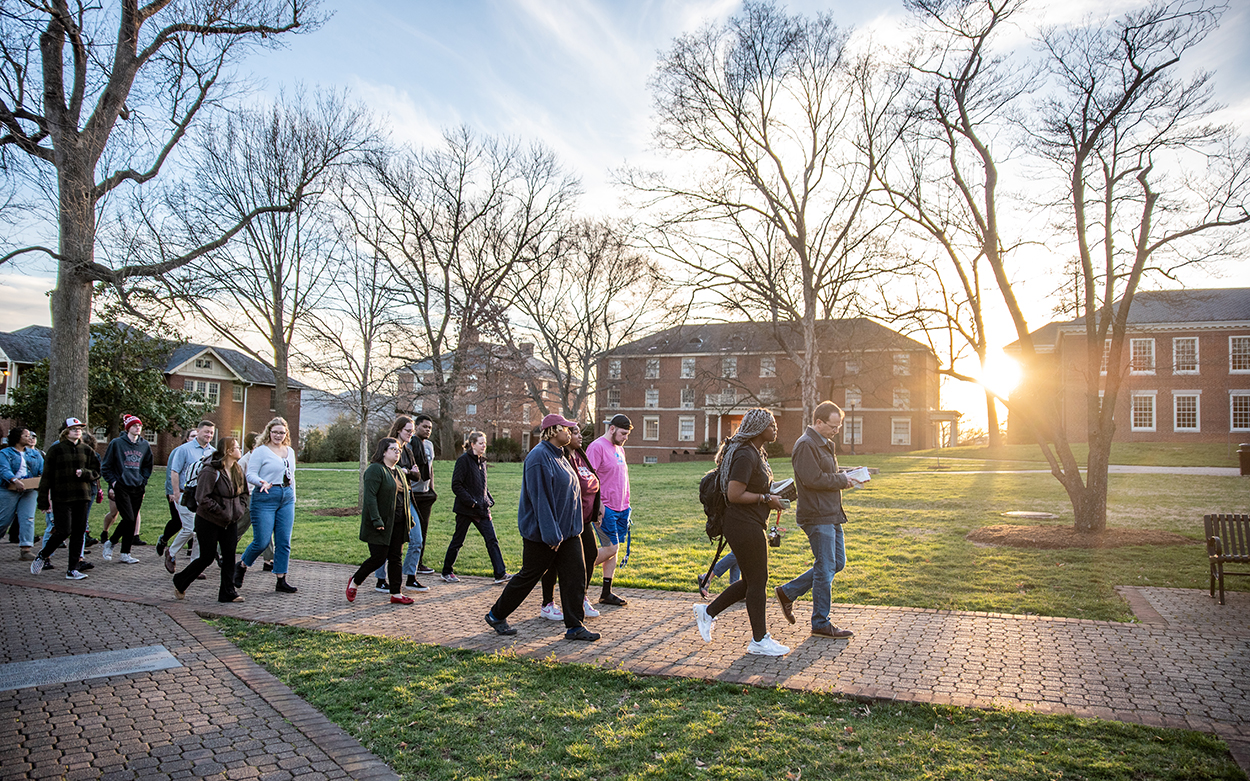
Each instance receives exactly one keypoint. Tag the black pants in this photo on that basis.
(424, 508)
(391, 554)
(484, 527)
(746, 539)
(69, 522)
(175, 521)
(537, 558)
(211, 536)
(590, 549)
(129, 498)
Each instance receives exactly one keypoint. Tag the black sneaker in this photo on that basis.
(160, 546)
(424, 570)
(240, 572)
(612, 599)
(581, 633)
(137, 541)
(267, 566)
(415, 585)
(90, 542)
(500, 625)
(83, 566)
(283, 587)
(382, 587)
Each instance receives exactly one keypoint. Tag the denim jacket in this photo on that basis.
(11, 462)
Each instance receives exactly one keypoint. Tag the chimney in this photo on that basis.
(526, 349)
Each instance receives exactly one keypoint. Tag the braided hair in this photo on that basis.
(754, 422)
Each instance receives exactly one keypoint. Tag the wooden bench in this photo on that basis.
(1228, 542)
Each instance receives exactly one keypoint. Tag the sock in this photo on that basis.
(607, 587)
(412, 580)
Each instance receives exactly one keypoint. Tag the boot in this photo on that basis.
(239, 572)
(27, 554)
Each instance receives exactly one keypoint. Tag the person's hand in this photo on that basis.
(774, 501)
(78, 473)
(15, 487)
(264, 487)
(111, 494)
(854, 483)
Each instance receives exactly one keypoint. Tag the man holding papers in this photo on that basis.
(820, 516)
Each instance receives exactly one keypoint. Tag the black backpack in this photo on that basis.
(193, 481)
(714, 503)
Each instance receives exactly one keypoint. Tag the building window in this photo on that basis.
(768, 366)
(1185, 412)
(900, 431)
(687, 368)
(687, 398)
(236, 393)
(768, 394)
(853, 431)
(1185, 355)
(470, 409)
(203, 363)
(651, 427)
(1239, 354)
(1143, 412)
(211, 391)
(650, 459)
(902, 398)
(685, 428)
(653, 398)
(728, 368)
(852, 395)
(238, 436)
(150, 436)
(418, 405)
(525, 412)
(1142, 356)
(852, 367)
(614, 397)
(902, 364)
(1106, 356)
(1239, 410)
(653, 369)
(614, 369)
(471, 385)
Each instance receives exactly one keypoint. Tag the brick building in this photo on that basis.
(239, 387)
(493, 394)
(691, 384)
(1185, 369)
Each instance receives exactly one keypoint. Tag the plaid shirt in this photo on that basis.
(59, 478)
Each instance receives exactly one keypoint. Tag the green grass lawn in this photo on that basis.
(1132, 453)
(432, 712)
(905, 539)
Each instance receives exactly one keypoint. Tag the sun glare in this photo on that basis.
(1001, 375)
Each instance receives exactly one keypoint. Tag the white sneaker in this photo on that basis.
(74, 575)
(704, 622)
(552, 612)
(588, 609)
(767, 647)
(108, 551)
(126, 558)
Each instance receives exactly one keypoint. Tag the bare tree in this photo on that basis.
(457, 222)
(783, 125)
(70, 72)
(600, 294)
(1150, 186)
(276, 275)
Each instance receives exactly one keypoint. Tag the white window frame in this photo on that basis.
(853, 428)
(651, 428)
(1233, 396)
(203, 363)
(1176, 342)
(150, 436)
(653, 369)
(684, 421)
(1135, 365)
(1244, 353)
(614, 368)
(1154, 410)
(614, 397)
(852, 367)
(902, 365)
(236, 433)
(852, 395)
(650, 459)
(1177, 395)
(768, 366)
(471, 385)
(236, 393)
(651, 398)
(895, 438)
(687, 368)
(729, 367)
(902, 398)
(210, 391)
(470, 409)
(687, 398)
(1106, 356)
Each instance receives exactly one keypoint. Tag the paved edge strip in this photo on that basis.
(311, 722)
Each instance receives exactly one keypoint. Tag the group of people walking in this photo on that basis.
(573, 513)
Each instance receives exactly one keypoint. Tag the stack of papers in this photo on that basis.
(859, 474)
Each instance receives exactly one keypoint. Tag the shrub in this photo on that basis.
(504, 449)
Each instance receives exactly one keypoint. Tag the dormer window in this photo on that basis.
(203, 363)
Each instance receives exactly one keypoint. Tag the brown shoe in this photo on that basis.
(832, 631)
(27, 555)
(787, 608)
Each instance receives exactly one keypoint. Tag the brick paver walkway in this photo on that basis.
(1183, 666)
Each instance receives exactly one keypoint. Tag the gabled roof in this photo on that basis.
(1161, 307)
(717, 338)
(27, 345)
(245, 367)
(536, 366)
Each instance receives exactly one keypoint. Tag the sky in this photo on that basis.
(572, 74)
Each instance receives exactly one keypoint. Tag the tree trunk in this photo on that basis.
(364, 451)
(71, 309)
(991, 418)
(281, 362)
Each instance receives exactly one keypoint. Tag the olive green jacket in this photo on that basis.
(378, 513)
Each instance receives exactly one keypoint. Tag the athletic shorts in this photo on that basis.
(614, 528)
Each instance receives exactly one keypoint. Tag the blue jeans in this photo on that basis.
(415, 544)
(728, 563)
(19, 504)
(273, 515)
(829, 548)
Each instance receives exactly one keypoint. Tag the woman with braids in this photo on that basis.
(745, 477)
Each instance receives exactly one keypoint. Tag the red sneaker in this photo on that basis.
(351, 589)
(401, 599)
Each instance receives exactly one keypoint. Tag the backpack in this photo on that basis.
(193, 480)
(714, 503)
